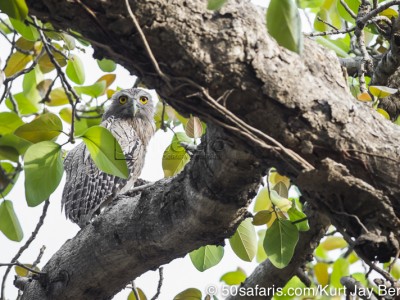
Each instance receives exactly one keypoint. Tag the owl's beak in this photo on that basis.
(134, 108)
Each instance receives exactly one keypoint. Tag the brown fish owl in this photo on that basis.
(130, 119)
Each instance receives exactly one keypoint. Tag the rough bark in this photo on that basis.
(299, 101)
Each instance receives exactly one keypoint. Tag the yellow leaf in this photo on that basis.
(321, 273)
(333, 242)
(365, 97)
(272, 220)
(389, 12)
(57, 97)
(275, 178)
(381, 91)
(16, 63)
(383, 113)
(194, 128)
(108, 78)
(141, 294)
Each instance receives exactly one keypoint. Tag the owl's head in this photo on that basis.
(131, 103)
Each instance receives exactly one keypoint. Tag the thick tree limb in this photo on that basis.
(203, 205)
(301, 102)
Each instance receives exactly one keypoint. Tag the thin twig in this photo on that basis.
(22, 266)
(25, 246)
(26, 70)
(160, 282)
(328, 24)
(134, 290)
(245, 129)
(333, 32)
(147, 46)
(348, 9)
(64, 82)
(39, 258)
(376, 11)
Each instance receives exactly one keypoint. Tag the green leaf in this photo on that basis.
(206, 257)
(353, 5)
(9, 223)
(295, 214)
(309, 3)
(27, 31)
(30, 82)
(261, 255)
(329, 14)
(9, 121)
(281, 189)
(57, 97)
(282, 203)
(26, 106)
(284, 24)
(43, 171)
(141, 294)
(16, 9)
(395, 272)
(8, 177)
(9, 153)
(81, 126)
(158, 115)
(69, 41)
(4, 28)
(235, 277)
(263, 202)
(381, 91)
(189, 294)
(43, 87)
(280, 241)
(106, 151)
(294, 284)
(330, 44)
(107, 65)
(215, 4)
(340, 268)
(44, 128)
(66, 116)
(193, 128)
(262, 217)
(175, 157)
(45, 63)
(16, 142)
(244, 241)
(17, 62)
(75, 69)
(95, 90)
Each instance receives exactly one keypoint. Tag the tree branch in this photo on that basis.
(302, 102)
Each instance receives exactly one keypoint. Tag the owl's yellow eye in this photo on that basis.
(123, 99)
(143, 99)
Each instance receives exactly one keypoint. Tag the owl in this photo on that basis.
(87, 189)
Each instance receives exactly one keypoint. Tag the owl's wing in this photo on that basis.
(87, 188)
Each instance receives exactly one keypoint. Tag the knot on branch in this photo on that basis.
(359, 211)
